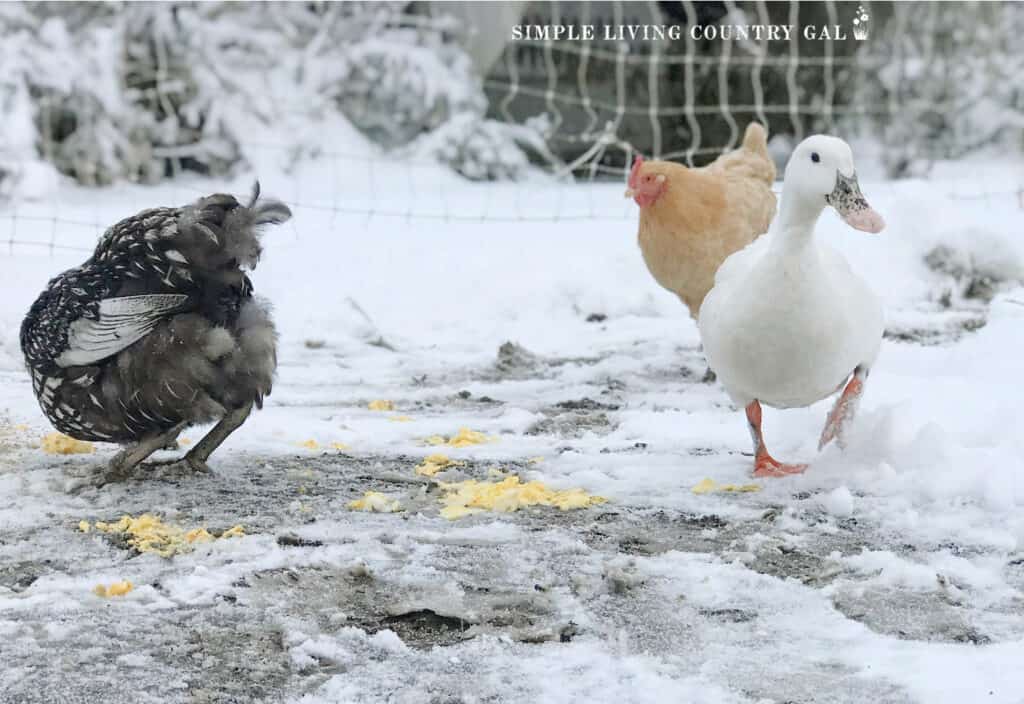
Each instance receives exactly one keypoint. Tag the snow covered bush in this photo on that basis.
(983, 265)
(952, 71)
(395, 90)
(170, 70)
(104, 94)
(144, 91)
(416, 90)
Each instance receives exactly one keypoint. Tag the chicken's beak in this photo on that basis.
(630, 193)
(852, 207)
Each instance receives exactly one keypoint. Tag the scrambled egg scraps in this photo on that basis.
(510, 494)
(432, 464)
(115, 589)
(147, 533)
(708, 486)
(312, 444)
(60, 444)
(381, 405)
(375, 501)
(464, 438)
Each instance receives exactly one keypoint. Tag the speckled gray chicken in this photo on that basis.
(158, 330)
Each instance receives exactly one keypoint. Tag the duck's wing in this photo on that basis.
(738, 264)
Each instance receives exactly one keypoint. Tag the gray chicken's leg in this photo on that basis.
(197, 456)
(127, 459)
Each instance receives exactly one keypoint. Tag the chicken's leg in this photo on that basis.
(764, 464)
(843, 411)
(197, 456)
(127, 459)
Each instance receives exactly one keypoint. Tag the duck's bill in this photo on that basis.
(852, 207)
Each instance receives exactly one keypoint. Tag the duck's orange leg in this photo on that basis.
(764, 464)
(844, 410)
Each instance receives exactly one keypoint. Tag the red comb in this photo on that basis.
(635, 171)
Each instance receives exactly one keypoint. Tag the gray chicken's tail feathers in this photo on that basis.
(218, 231)
(269, 211)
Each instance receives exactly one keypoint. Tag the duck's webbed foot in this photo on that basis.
(764, 464)
(767, 466)
(844, 410)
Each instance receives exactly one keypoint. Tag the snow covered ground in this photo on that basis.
(893, 572)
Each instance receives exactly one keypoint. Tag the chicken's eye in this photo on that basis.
(815, 158)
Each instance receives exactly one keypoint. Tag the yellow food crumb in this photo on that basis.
(84, 526)
(339, 446)
(115, 589)
(147, 533)
(704, 486)
(60, 444)
(510, 494)
(375, 501)
(401, 419)
(184, 442)
(744, 488)
(707, 486)
(432, 464)
(535, 460)
(234, 532)
(464, 438)
(198, 535)
(381, 405)
(310, 444)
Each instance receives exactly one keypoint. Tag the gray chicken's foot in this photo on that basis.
(231, 422)
(182, 466)
(123, 464)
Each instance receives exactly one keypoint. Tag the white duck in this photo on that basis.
(787, 321)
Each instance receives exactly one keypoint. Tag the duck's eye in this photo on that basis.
(815, 158)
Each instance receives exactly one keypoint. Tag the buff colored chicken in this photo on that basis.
(691, 220)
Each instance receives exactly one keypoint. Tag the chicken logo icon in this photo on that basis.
(861, 24)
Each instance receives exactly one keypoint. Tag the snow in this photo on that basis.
(888, 572)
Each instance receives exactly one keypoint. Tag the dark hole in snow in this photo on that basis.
(702, 522)
(293, 541)
(587, 404)
(424, 628)
(729, 615)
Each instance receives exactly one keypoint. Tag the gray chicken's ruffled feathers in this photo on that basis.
(218, 231)
(158, 330)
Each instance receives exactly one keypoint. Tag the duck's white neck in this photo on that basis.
(795, 224)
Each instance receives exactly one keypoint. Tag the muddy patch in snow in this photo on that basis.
(575, 418)
(515, 362)
(909, 615)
